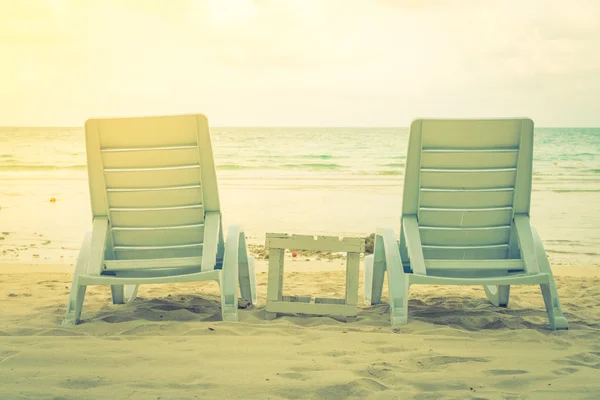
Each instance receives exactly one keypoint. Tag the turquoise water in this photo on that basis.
(300, 152)
(332, 181)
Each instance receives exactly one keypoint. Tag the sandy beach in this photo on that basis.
(170, 343)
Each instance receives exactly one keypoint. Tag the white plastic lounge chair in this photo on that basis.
(465, 216)
(156, 214)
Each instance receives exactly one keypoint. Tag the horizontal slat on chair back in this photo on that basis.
(169, 197)
(132, 253)
(158, 217)
(471, 134)
(148, 158)
(148, 132)
(141, 178)
(465, 253)
(469, 158)
(459, 199)
(167, 236)
(468, 178)
(443, 236)
(466, 217)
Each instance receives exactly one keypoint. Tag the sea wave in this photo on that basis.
(314, 166)
(304, 156)
(582, 154)
(311, 166)
(393, 165)
(378, 173)
(318, 156)
(576, 190)
(232, 166)
(29, 167)
(396, 172)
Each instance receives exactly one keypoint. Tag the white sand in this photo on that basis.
(170, 343)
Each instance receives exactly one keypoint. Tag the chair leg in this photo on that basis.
(375, 273)
(117, 294)
(130, 292)
(368, 279)
(555, 315)
(75, 304)
(399, 303)
(269, 316)
(77, 294)
(252, 277)
(229, 299)
(248, 282)
(549, 292)
(498, 294)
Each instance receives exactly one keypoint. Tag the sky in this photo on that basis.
(300, 62)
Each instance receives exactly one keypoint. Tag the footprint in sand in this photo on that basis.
(52, 281)
(17, 295)
(506, 371)
(58, 332)
(356, 389)
(5, 355)
(140, 330)
(565, 371)
(307, 369)
(169, 307)
(589, 360)
(360, 389)
(294, 375)
(380, 370)
(443, 361)
(390, 349)
(339, 353)
(374, 342)
(112, 319)
(82, 383)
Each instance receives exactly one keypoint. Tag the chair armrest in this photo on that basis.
(526, 243)
(212, 224)
(413, 244)
(386, 249)
(97, 246)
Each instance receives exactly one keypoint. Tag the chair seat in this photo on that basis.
(434, 266)
(522, 279)
(139, 278)
(147, 264)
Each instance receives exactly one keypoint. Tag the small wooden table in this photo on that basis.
(277, 303)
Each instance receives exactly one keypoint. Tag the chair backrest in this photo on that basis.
(154, 178)
(465, 180)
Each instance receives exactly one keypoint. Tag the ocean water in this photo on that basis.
(342, 181)
(348, 153)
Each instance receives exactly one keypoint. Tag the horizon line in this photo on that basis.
(286, 126)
